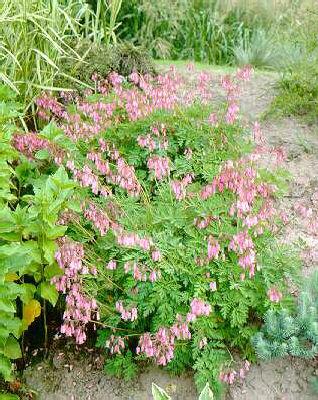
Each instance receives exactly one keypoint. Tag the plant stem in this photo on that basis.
(45, 328)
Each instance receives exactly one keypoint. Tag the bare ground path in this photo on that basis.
(81, 378)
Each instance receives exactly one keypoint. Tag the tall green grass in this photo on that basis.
(36, 37)
(33, 37)
(215, 31)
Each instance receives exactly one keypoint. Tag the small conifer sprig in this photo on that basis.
(294, 334)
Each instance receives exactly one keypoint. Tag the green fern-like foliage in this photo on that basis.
(295, 334)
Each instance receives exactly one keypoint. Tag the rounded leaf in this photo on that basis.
(31, 311)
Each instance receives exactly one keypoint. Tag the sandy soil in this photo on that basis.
(82, 378)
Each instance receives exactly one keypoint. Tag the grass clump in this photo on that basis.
(298, 93)
(298, 86)
(123, 58)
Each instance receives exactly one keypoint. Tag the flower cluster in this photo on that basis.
(140, 240)
(141, 272)
(99, 218)
(115, 344)
(213, 248)
(232, 376)
(243, 245)
(179, 187)
(49, 106)
(156, 139)
(160, 166)
(126, 315)
(134, 240)
(80, 309)
(29, 143)
(161, 345)
(181, 329)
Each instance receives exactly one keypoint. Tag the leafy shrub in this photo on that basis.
(29, 208)
(127, 58)
(169, 248)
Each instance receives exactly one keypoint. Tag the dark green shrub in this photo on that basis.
(123, 58)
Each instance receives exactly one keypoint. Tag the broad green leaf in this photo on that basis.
(206, 393)
(49, 292)
(6, 94)
(12, 324)
(52, 270)
(8, 396)
(51, 131)
(42, 154)
(5, 368)
(75, 205)
(10, 236)
(27, 292)
(7, 305)
(56, 232)
(12, 348)
(49, 248)
(6, 220)
(158, 393)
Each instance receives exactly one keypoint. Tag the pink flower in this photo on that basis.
(134, 77)
(274, 295)
(111, 265)
(231, 376)
(126, 315)
(80, 309)
(231, 113)
(303, 211)
(213, 287)
(203, 342)
(284, 217)
(179, 187)
(153, 276)
(244, 73)
(198, 307)
(115, 344)
(257, 134)
(188, 153)
(156, 255)
(213, 119)
(280, 155)
(213, 248)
